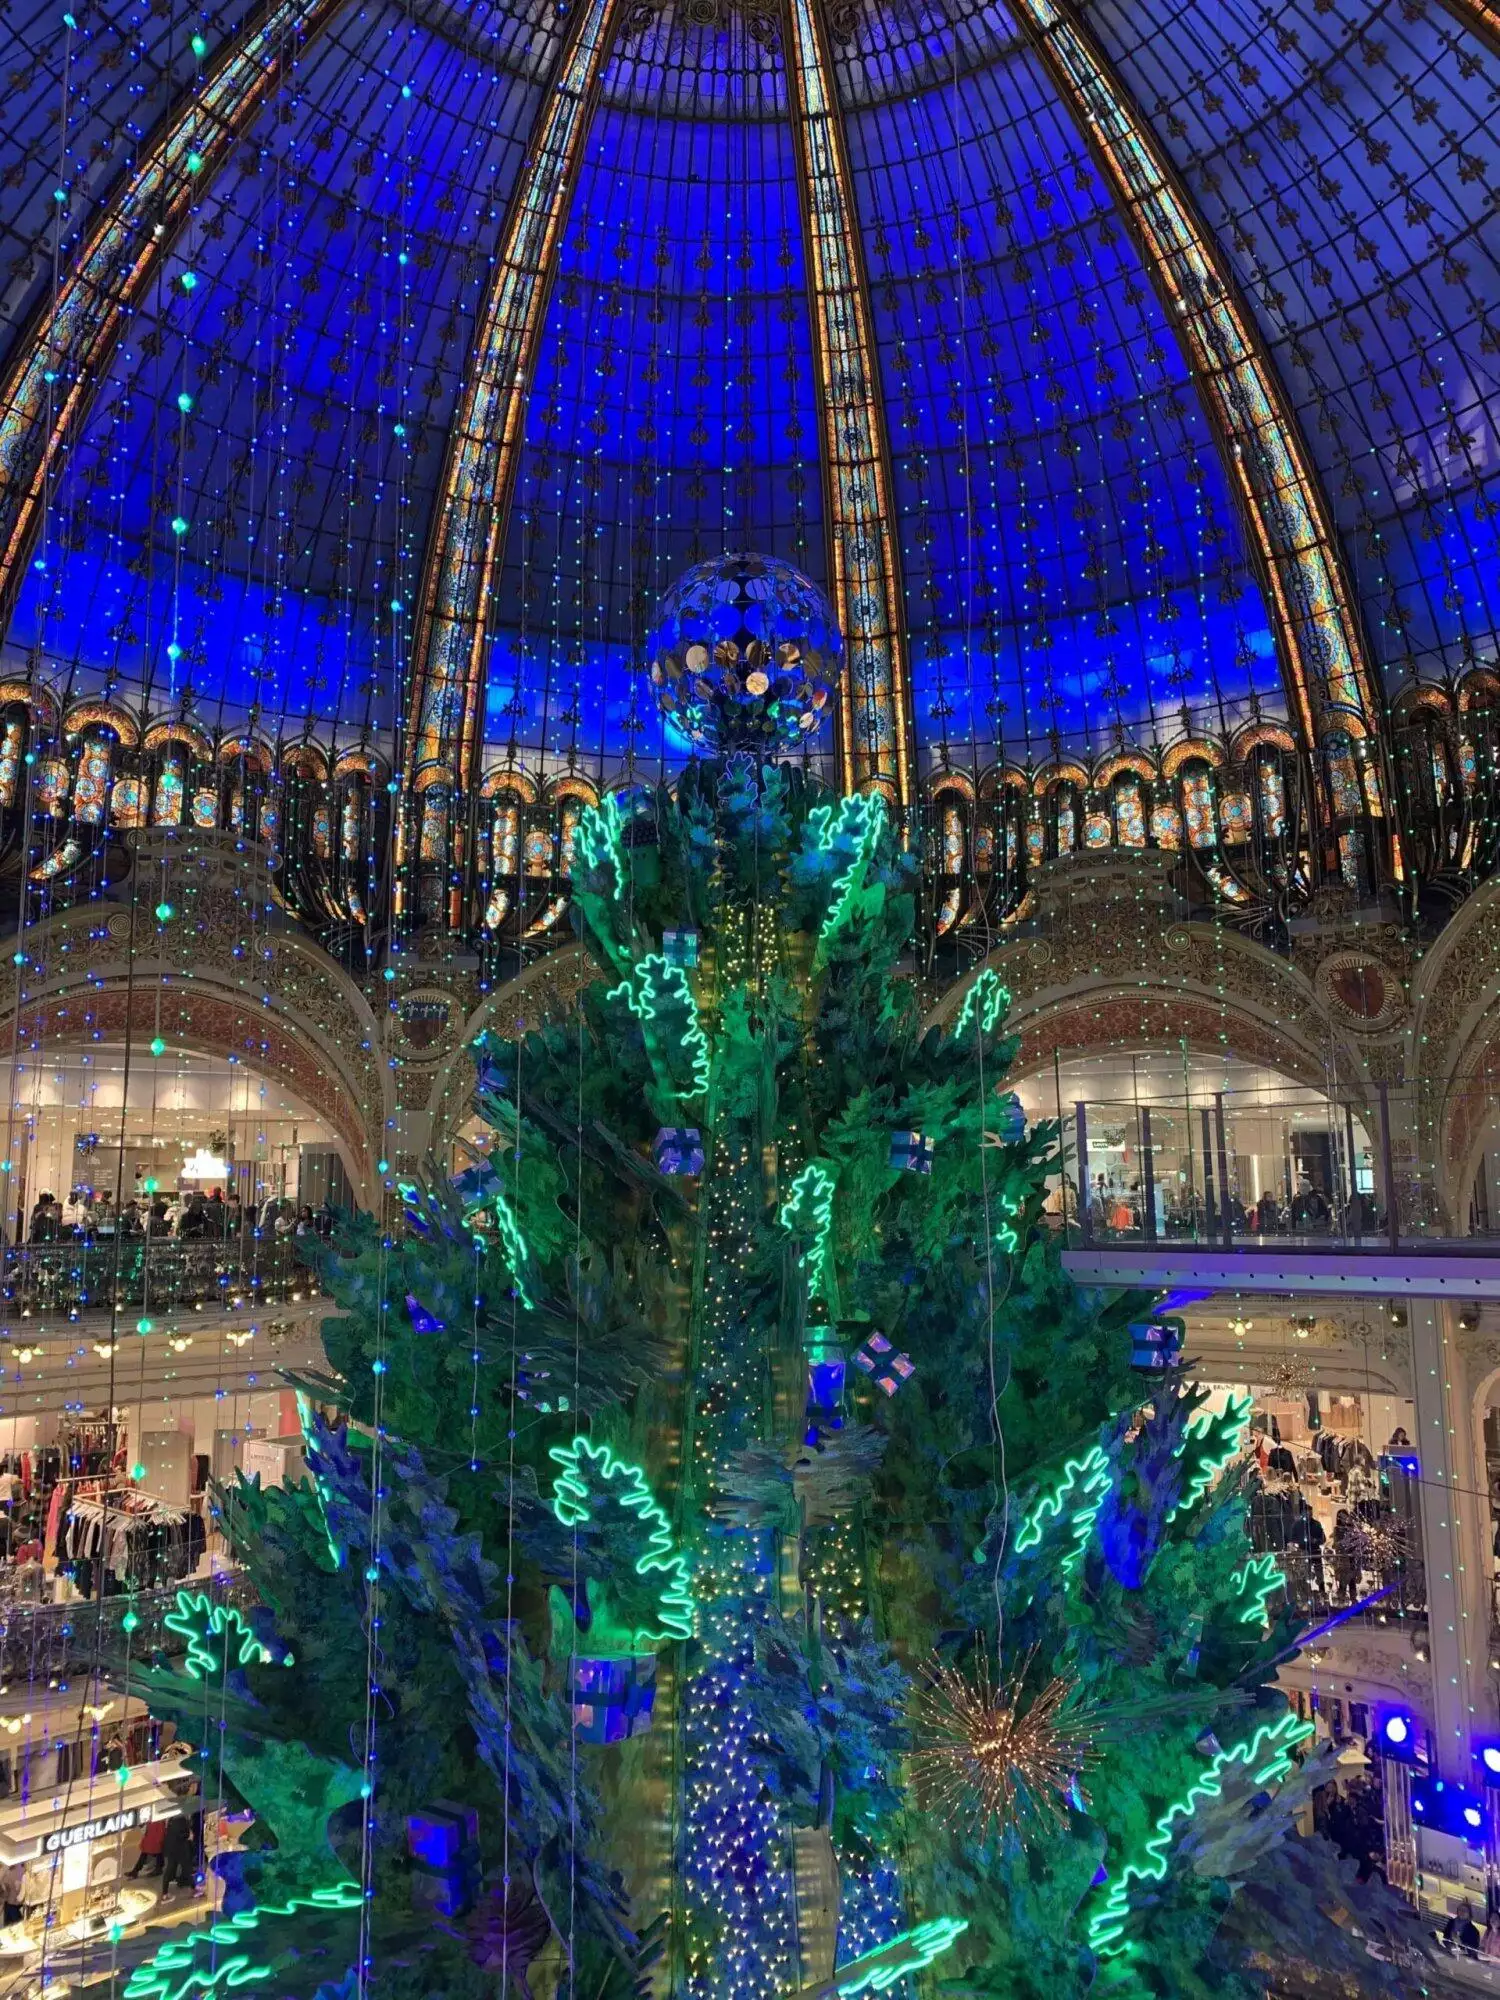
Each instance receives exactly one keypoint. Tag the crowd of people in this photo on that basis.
(190, 1216)
(1118, 1208)
(1374, 1541)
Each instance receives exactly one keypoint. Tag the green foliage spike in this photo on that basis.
(1266, 1756)
(986, 1002)
(1209, 1445)
(592, 1479)
(912, 1952)
(218, 1636)
(660, 997)
(174, 1972)
(1077, 1496)
(853, 827)
(1259, 1581)
(807, 1213)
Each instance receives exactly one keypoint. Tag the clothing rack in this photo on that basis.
(130, 1505)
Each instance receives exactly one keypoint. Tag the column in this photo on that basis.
(1454, 1511)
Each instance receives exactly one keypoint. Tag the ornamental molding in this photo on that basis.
(471, 520)
(1223, 987)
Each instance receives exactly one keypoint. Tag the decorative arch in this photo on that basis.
(160, 734)
(106, 713)
(205, 1022)
(1141, 1020)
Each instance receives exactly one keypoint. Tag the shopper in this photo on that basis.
(179, 1852)
(153, 1844)
(12, 1887)
(45, 1219)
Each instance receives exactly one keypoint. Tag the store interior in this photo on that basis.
(115, 1124)
(1296, 1158)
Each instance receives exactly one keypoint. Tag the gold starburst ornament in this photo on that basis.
(988, 1756)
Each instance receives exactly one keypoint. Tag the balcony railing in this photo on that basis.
(153, 1275)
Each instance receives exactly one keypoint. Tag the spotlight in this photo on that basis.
(1489, 1763)
(1398, 1737)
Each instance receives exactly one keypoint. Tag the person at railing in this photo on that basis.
(1361, 1217)
(1461, 1933)
(104, 1220)
(157, 1223)
(46, 1219)
(130, 1219)
(1490, 1948)
(192, 1224)
(1311, 1213)
(1267, 1215)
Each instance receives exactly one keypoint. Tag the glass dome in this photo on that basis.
(243, 515)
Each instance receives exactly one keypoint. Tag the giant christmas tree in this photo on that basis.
(720, 1493)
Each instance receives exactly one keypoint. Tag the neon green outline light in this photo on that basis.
(653, 983)
(808, 1210)
(1201, 1424)
(154, 1980)
(1005, 1236)
(859, 819)
(320, 1486)
(1106, 1929)
(599, 839)
(513, 1246)
(198, 1620)
(987, 1000)
(1263, 1578)
(585, 1468)
(1087, 1478)
(910, 1953)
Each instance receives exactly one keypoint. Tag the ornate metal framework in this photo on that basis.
(1328, 676)
(875, 739)
(445, 694)
(60, 362)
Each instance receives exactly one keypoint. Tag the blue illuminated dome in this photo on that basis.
(746, 654)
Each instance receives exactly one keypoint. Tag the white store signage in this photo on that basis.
(96, 1829)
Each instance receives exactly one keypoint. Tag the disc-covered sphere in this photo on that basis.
(746, 655)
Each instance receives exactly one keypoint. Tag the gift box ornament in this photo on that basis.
(885, 1366)
(911, 1152)
(1157, 1344)
(678, 1149)
(613, 1698)
(680, 948)
(1011, 1121)
(422, 1321)
(442, 1840)
(476, 1185)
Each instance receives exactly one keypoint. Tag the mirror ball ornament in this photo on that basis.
(746, 655)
